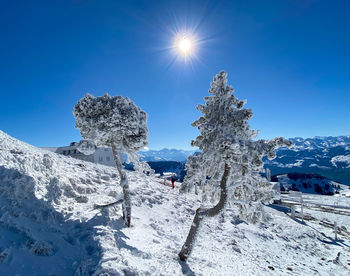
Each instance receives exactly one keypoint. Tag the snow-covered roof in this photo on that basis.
(169, 174)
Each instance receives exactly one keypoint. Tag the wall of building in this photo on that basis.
(102, 155)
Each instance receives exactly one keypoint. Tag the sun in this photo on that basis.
(184, 48)
(185, 45)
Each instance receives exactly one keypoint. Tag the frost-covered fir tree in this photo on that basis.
(229, 165)
(119, 123)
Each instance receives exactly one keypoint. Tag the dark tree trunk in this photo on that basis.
(126, 205)
(205, 212)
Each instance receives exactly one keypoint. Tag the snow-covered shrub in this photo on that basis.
(116, 122)
(230, 162)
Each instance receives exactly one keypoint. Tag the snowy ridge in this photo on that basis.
(318, 142)
(341, 160)
(327, 156)
(48, 226)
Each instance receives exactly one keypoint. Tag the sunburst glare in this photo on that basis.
(182, 42)
(185, 47)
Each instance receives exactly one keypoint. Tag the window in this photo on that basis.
(100, 159)
(64, 152)
(106, 149)
(75, 151)
(108, 158)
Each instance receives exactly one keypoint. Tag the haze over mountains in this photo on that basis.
(327, 156)
(166, 155)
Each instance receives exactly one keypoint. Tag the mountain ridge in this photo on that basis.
(328, 156)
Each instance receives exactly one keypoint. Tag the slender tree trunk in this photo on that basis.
(205, 212)
(126, 205)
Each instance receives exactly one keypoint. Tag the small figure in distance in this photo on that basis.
(172, 181)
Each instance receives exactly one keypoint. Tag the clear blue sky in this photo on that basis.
(289, 59)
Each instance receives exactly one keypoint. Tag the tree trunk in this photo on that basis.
(126, 205)
(205, 212)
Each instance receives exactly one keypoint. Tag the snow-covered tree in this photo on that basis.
(119, 123)
(231, 161)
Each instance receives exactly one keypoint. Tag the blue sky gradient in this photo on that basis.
(289, 59)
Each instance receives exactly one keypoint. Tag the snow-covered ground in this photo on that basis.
(49, 226)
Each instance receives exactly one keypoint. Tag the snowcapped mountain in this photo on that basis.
(166, 155)
(49, 226)
(327, 156)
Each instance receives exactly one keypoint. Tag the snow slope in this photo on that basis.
(48, 226)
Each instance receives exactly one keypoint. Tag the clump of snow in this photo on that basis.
(49, 226)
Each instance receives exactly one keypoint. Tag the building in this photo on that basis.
(102, 155)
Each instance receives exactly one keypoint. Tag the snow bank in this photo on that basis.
(46, 203)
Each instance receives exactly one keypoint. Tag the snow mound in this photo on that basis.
(46, 203)
(48, 226)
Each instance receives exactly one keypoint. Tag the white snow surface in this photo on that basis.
(48, 226)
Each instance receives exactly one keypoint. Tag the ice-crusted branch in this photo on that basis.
(97, 206)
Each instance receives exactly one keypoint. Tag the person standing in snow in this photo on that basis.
(172, 181)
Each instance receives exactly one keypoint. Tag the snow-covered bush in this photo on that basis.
(231, 161)
(116, 122)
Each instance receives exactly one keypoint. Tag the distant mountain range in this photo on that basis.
(327, 156)
(166, 155)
